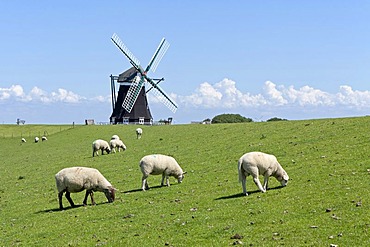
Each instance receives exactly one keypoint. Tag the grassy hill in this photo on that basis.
(326, 201)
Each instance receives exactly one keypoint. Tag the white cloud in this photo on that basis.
(225, 95)
(13, 91)
(275, 96)
(16, 92)
(348, 96)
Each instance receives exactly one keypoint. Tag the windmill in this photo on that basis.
(131, 105)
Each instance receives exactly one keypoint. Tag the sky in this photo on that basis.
(260, 59)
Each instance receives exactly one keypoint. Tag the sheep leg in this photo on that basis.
(167, 180)
(144, 183)
(92, 198)
(60, 196)
(244, 186)
(163, 177)
(265, 183)
(68, 196)
(258, 183)
(89, 192)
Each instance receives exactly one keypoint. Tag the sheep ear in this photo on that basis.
(184, 172)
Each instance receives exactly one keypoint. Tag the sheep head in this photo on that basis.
(283, 179)
(110, 194)
(181, 177)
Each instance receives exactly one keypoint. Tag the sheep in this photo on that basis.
(258, 163)
(139, 132)
(157, 164)
(43, 138)
(36, 139)
(116, 143)
(100, 145)
(77, 179)
(115, 137)
(23, 140)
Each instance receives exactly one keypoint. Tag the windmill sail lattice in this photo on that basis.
(133, 93)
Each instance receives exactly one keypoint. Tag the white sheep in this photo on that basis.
(77, 179)
(36, 139)
(157, 164)
(258, 163)
(23, 140)
(139, 132)
(115, 137)
(43, 138)
(100, 145)
(116, 143)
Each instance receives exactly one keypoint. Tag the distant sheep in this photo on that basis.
(100, 145)
(139, 132)
(77, 179)
(23, 140)
(258, 163)
(115, 137)
(43, 138)
(36, 139)
(157, 164)
(116, 143)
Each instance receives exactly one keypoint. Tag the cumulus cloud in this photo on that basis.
(36, 94)
(226, 95)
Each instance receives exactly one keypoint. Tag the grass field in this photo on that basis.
(326, 200)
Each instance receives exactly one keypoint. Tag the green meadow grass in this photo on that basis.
(326, 200)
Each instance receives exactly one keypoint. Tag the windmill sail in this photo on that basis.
(158, 55)
(157, 91)
(133, 60)
(133, 93)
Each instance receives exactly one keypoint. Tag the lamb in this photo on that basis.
(43, 138)
(77, 179)
(258, 163)
(157, 164)
(36, 139)
(139, 132)
(100, 145)
(116, 143)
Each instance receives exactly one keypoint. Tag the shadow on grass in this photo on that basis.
(150, 188)
(67, 208)
(242, 195)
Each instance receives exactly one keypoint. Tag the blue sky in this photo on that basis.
(260, 59)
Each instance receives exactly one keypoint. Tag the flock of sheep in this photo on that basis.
(37, 139)
(77, 179)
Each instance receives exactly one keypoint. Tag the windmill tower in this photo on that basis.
(131, 105)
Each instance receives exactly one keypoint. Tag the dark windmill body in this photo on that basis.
(130, 106)
(140, 112)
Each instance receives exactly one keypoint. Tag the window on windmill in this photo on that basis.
(141, 120)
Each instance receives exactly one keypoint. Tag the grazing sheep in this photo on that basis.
(258, 163)
(115, 137)
(36, 139)
(44, 138)
(157, 164)
(116, 143)
(139, 132)
(77, 179)
(100, 145)
(23, 140)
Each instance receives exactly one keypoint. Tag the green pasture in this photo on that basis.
(326, 201)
